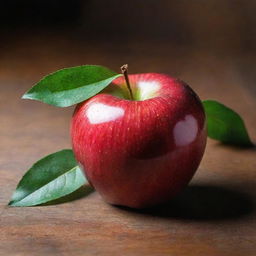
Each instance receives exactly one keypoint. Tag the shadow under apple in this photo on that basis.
(204, 203)
(248, 148)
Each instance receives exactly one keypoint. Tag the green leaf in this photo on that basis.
(52, 177)
(70, 86)
(225, 125)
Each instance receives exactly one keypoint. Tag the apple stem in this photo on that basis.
(124, 70)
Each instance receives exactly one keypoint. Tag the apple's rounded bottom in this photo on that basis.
(138, 206)
(141, 206)
(145, 204)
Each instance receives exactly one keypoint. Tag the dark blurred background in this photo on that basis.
(213, 24)
(161, 36)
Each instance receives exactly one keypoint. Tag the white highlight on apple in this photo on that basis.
(185, 131)
(100, 113)
(148, 89)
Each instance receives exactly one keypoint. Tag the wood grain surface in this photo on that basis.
(215, 216)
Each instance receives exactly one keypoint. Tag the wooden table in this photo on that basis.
(215, 216)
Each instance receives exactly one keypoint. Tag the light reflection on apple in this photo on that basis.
(185, 131)
(147, 89)
(101, 113)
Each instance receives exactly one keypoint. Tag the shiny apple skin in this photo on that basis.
(140, 153)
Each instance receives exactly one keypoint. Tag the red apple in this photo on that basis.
(141, 152)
